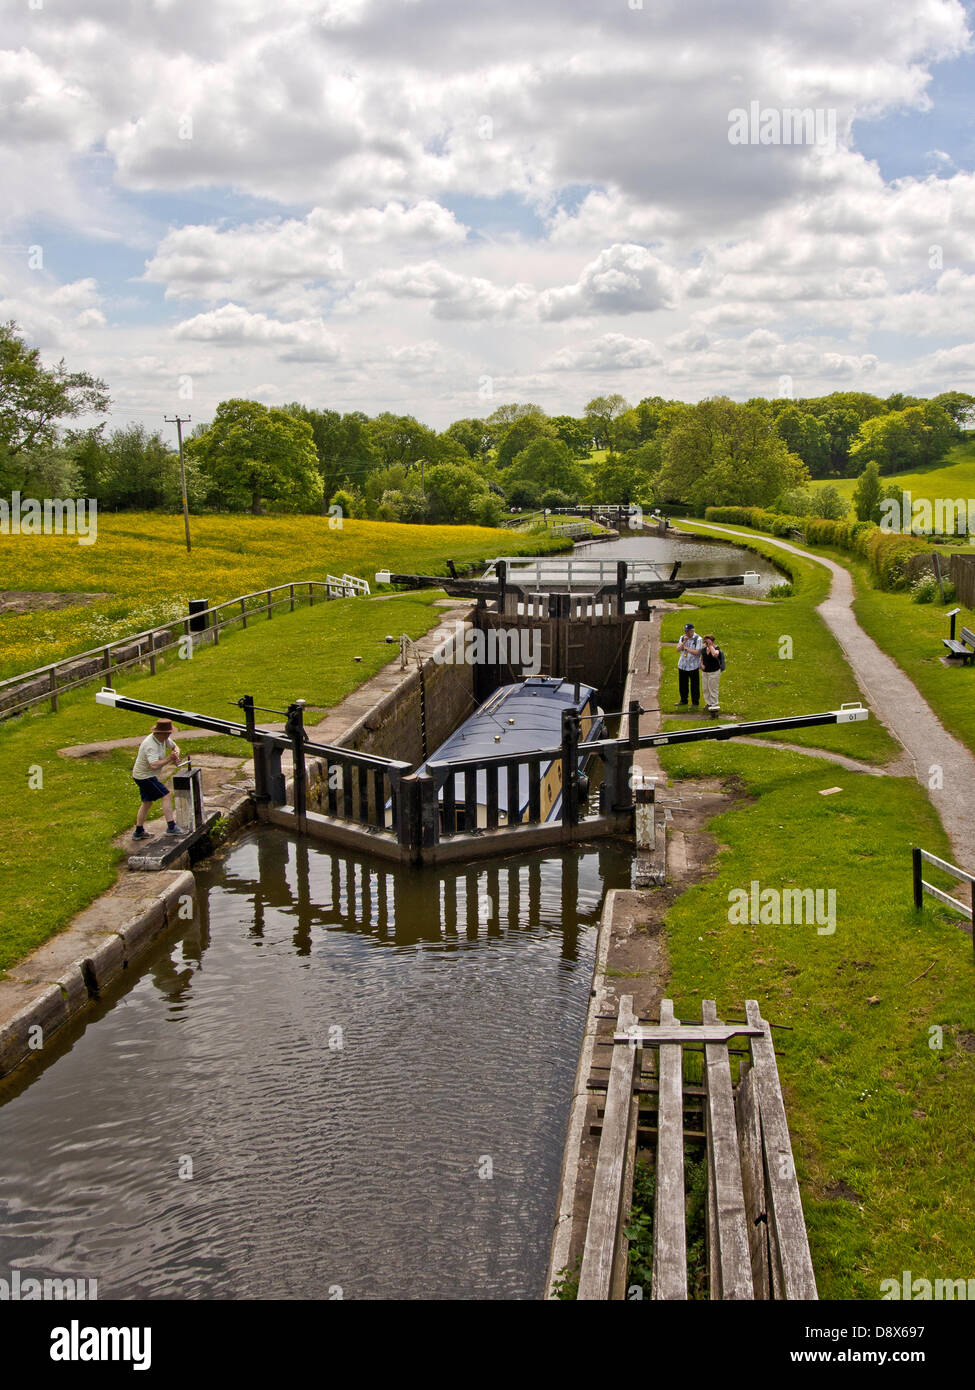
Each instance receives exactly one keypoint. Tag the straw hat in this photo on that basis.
(163, 727)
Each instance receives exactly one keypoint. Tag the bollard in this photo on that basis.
(199, 617)
(188, 798)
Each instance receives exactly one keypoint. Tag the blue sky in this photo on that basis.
(402, 204)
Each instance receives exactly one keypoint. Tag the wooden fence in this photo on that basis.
(49, 683)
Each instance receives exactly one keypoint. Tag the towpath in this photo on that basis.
(896, 701)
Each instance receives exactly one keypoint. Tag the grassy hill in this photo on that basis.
(955, 477)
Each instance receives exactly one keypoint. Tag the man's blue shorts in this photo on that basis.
(150, 788)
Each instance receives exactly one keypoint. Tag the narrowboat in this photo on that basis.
(517, 719)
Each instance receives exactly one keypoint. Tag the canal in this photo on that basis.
(341, 1080)
(700, 559)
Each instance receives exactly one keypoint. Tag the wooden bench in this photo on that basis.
(756, 1235)
(965, 648)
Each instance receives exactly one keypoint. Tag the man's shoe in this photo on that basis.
(140, 834)
(175, 830)
(682, 704)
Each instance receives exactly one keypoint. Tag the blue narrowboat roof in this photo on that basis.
(534, 706)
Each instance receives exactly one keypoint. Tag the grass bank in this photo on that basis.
(882, 1117)
(61, 823)
(782, 659)
(910, 633)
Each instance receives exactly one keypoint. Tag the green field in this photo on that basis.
(955, 477)
(64, 829)
(140, 572)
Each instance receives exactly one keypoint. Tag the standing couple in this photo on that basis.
(699, 655)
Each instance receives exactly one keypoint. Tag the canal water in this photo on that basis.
(342, 1080)
(701, 559)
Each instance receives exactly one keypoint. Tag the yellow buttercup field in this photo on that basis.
(139, 561)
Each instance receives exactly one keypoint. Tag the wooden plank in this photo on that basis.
(669, 1230)
(514, 801)
(363, 794)
(492, 798)
(652, 1035)
(347, 808)
(378, 797)
(731, 1270)
(619, 1284)
(753, 1184)
(787, 1227)
(596, 1273)
(946, 898)
(449, 807)
(470, 801)
(534, 791)
(949, 868)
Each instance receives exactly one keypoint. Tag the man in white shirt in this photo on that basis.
(689, 666)
(155, 753)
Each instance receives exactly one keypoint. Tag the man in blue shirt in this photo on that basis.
(689, 666)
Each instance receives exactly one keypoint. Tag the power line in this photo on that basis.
(179, 421)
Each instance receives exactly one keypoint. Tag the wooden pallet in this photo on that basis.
(757, 1243)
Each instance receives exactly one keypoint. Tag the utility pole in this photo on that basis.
(179, 422)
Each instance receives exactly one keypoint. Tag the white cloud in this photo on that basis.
(610, 352)
(452, 295)
(302, 340)
(623, 279)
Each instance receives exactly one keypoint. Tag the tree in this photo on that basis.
(904, 439)
(829, 503)
(806, 436)
(402, 439)
(619, 479)
(603, 414)
(867, 493)
(472, 435)
(139, 471)
(519, 434)
(34, 399)
(959, 405)
(455, 493)
(251, 455)
(575, 433)
(547, 463)
(722, 452)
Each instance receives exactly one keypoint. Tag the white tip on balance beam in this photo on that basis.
(106, 697)
(850, 714)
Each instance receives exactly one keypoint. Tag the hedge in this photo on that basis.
(886, 552)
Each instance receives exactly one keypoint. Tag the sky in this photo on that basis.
(436, 208)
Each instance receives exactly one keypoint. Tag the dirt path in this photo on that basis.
(898, 703)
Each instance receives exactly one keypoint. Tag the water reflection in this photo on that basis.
(458, 999)
(402, 906)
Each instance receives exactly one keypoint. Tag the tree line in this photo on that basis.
(391, 467)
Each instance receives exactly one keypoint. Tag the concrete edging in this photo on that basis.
(88, 960)
(568, 1183)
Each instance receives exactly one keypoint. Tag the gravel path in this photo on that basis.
(898, 703)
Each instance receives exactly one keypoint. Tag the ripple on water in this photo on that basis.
(368, 1086)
